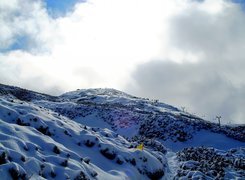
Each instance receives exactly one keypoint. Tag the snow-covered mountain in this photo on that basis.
(94, 134)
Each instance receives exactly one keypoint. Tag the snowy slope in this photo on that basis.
(82, 134)
(131, 115)
(36, 142)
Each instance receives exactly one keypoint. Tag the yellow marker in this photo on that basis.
(140, 147)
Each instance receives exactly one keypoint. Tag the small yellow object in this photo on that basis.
(140, 147)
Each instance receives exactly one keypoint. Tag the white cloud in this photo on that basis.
(212, 83)
(108, 38)
(25, 19)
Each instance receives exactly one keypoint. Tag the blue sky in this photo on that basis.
(241, 2)
(60, 7)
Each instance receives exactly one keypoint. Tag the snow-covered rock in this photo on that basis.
(210, 163)
(36, 142)
(94, 134)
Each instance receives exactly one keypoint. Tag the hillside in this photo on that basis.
(93, 134)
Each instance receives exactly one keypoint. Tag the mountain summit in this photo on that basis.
(95, 134)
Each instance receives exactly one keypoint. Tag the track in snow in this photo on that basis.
(172, 163)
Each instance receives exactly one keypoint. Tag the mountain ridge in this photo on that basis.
(95, 126)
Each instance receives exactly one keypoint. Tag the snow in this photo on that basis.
(173, 164)
(92, 121)
(210, 163)
(21, 138)
(93, 134)
(205, 138)
(112, 96)
(129, 132)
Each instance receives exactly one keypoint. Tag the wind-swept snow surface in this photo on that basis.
(94, 134)
(36, 142)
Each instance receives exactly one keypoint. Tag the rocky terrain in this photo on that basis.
(94, 134)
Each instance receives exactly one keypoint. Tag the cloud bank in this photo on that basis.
(184, 52)
(106, 39)
(213, 84)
